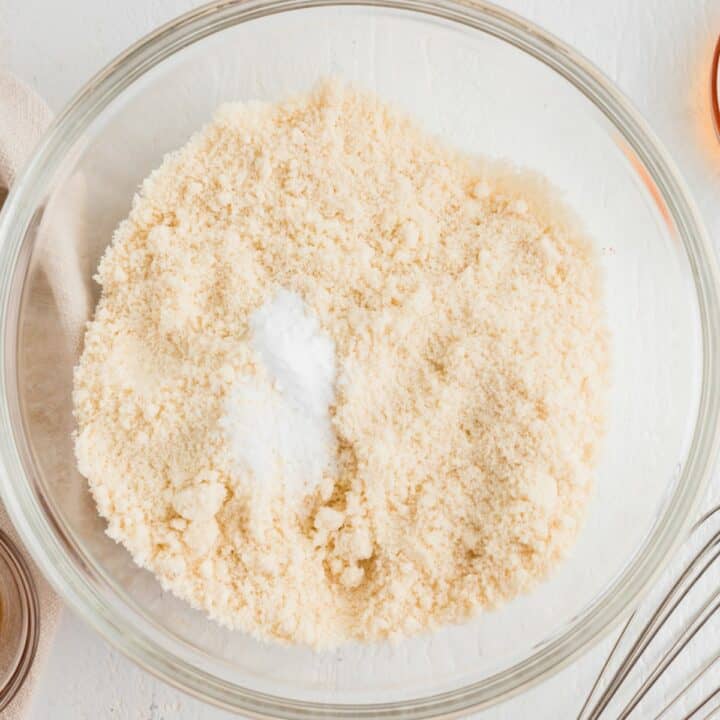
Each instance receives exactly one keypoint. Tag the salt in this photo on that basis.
(279, 426)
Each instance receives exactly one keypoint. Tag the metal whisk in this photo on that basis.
(666, 662)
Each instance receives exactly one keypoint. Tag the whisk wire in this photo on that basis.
(607, 662)
(698, 620)
(693, 571)
(703, 703)
(714, 714)
(694, 678)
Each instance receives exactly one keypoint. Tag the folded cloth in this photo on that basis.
(23, 119)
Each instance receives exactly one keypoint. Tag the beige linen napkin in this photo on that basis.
(23, 118)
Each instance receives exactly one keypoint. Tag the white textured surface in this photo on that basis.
(657, 51)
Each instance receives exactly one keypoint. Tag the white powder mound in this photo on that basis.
(405, 434)
(298, 355)
(280, 431)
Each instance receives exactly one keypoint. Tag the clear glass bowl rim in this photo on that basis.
(80, 586)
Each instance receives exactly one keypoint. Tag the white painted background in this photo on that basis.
(657, 51)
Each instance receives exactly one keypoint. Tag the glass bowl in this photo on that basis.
(484, 80)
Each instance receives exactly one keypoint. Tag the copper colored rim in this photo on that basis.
(714, 80)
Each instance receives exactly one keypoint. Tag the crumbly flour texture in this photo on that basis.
(343, 382)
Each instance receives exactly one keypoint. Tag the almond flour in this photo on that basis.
(469, 383)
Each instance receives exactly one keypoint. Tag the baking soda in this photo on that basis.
(278, 423)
